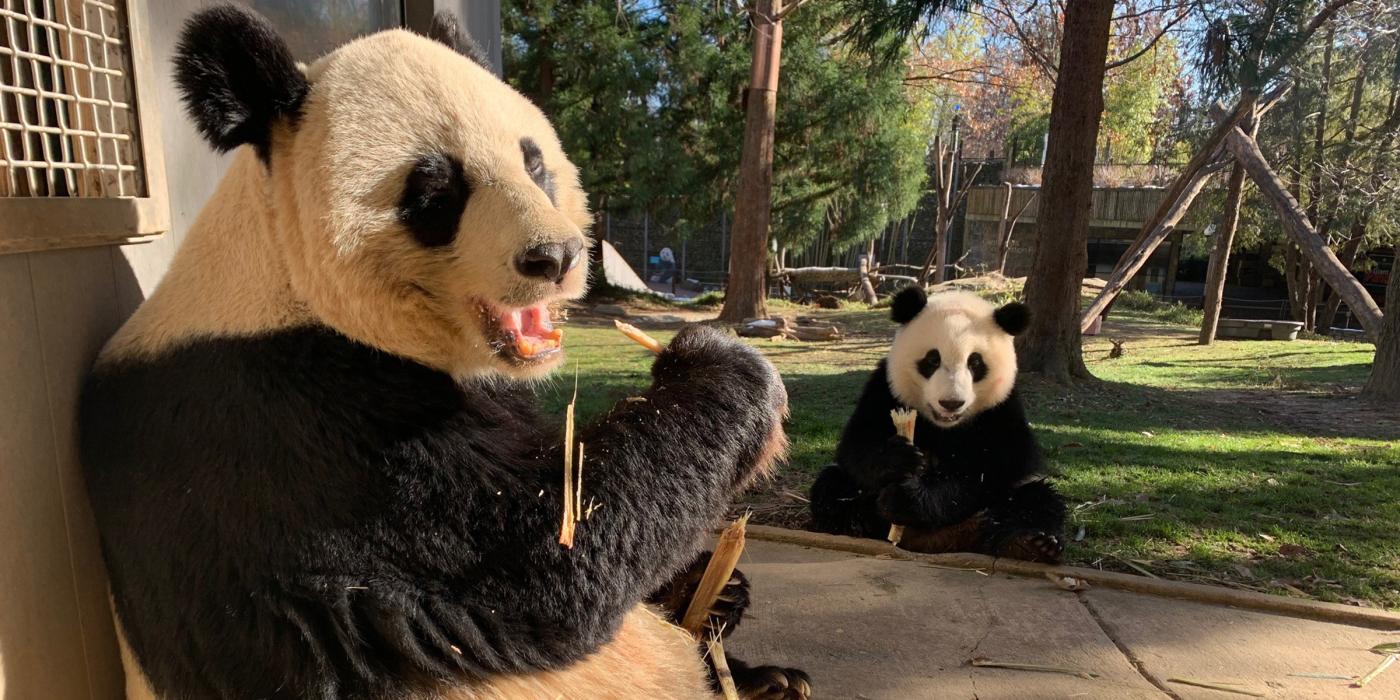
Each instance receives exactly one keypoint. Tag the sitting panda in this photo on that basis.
(312, 452)
(970, 481)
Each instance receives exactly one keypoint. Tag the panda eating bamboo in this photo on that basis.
(313, 454)
(971, 480)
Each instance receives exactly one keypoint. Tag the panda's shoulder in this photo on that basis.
(290, 385)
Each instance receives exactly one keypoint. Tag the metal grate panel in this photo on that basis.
(67, 117)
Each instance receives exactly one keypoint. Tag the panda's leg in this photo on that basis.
(1027, 524)
(752, 682)
(841, 507)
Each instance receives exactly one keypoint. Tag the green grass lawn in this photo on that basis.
(1245, 463)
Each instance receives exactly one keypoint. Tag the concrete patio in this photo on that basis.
(881, 626)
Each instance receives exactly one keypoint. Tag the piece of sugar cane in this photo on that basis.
(904, 420)
(722, 672)
(716, 576)
(638, 336)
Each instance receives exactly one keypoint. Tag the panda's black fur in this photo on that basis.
(361, 515)
(974, 486)
(289, 510)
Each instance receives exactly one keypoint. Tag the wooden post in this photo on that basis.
(748, 259)
(1220, 256)
(1001, 227)
(1301, 231)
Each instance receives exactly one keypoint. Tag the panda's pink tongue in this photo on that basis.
(531, 329)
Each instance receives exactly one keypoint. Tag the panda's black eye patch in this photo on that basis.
(977, 366)
(930, 363)
(534, 167)
(434, 195)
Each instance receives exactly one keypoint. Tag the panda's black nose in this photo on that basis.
(951, 404)
(550, 261)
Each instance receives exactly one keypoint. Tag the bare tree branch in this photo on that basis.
(1150, 44)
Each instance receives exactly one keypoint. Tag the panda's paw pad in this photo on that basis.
(773, 683)
(1036, 545)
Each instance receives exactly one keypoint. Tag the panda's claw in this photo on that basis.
(772, 683)
(1033, 545)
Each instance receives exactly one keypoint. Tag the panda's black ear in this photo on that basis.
(907, 304)
(446, 30)
(1013, 318)
(237, 76)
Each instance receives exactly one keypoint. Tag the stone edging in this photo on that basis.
(1216, 595)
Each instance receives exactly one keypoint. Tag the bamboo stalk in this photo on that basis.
(1378, 670)
(722, 672)
(639, 336)
(566, 527)
(904, 421)
(716, 576)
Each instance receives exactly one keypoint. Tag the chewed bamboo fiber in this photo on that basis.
(904, 420)
(716, 576)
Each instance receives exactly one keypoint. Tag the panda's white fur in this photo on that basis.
(958, 325)
(310, 241)
(312, 238)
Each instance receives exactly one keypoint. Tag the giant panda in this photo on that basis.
(972, 479)
(313, 454)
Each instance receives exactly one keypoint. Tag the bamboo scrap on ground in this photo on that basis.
(1222, 687)
(1385, 663)
(904, 421)
(982, 662)
(717, 574)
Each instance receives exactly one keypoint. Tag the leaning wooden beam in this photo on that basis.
(1163, 225)
(1300, 231)
(1176, 202)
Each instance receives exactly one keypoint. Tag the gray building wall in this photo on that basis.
(57, 308)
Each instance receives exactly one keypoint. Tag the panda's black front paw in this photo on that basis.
(771, 682)
(702, 352)
(900, 502)
(728, 609)
(901, 460)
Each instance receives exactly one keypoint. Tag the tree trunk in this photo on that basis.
(1300, 230)
(1384, 383)
(1348, 258)
(1220, 255)
(1052, 343)
(744, 295)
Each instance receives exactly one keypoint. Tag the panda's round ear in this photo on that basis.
(445, 29)
(907, 304)
(1013, 317)
(237, 77)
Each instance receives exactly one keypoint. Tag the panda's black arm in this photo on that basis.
(931, 502)
(497, 593)
(869, 450)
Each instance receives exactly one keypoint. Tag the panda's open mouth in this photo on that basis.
(523, 335)
(944, 418)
